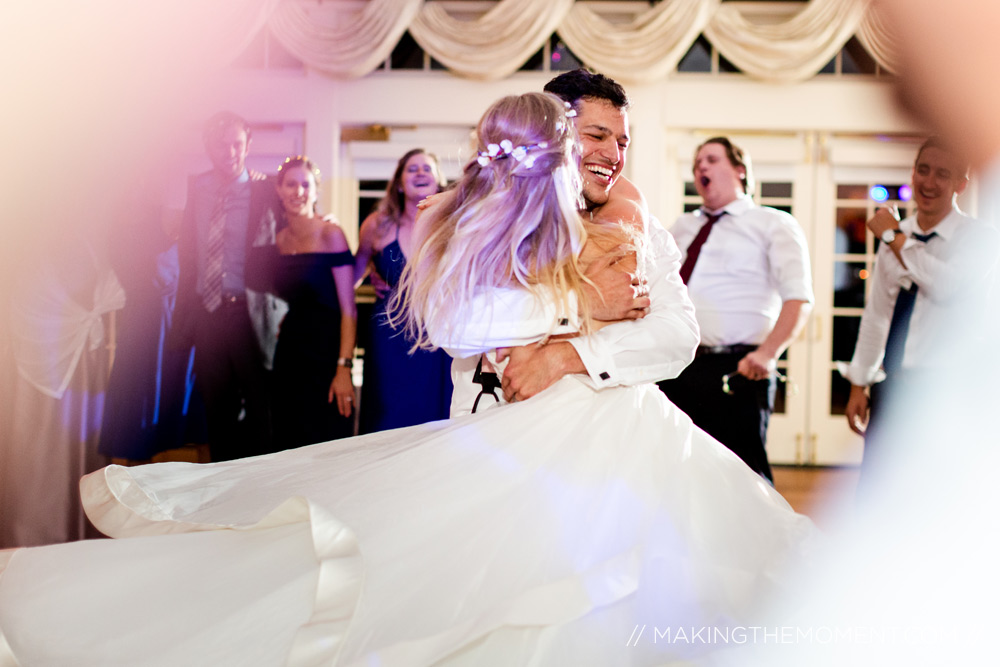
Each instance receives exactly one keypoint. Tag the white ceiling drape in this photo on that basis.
(790, 51)
(344, 40)
(341, 42)
(647, 48)
(494, 45)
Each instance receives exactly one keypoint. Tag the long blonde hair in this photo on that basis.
(513, 219)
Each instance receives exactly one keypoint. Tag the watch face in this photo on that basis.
(888, 236)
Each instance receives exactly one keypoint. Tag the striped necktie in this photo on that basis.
(212, 294)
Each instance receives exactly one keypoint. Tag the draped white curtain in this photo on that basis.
(647, 48)
(493, 46)
(351, 40)
(878, 40)
(791, 51)
(343, 42)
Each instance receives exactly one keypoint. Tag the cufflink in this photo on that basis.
(604, 376)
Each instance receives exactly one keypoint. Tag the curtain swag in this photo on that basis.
(351, 39)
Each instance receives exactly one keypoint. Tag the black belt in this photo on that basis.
(741, 349)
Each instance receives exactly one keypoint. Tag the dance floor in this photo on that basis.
(812, 490)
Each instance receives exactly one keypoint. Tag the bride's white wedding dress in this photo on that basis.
(537, 533)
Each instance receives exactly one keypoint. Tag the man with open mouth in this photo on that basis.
(747, 271)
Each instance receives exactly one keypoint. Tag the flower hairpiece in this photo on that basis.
(506, 148)
(570, 113)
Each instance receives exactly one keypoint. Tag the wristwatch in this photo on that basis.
(889, 235)
(346, 363)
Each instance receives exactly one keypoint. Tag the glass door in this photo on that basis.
(859, 175)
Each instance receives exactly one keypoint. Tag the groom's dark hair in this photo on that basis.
(581, 83)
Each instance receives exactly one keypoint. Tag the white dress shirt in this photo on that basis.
(952, 270)
(754, 259)
(657, 347)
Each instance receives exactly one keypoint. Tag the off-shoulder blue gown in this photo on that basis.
(400, 388)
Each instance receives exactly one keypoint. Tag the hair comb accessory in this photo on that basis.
(506, 148)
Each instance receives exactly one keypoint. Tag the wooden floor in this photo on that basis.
(814, 490)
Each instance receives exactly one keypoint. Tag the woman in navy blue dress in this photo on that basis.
(401, 387)
(314, 394)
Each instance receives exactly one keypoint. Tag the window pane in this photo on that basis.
(849, 284)
(893, 191)
(840, 391)
(830, 67)
(852, 191)
(845, 335)
(689, 189)
(366, 205)
(698, 58)
(691, 207)
(562, 59)
(850, 230)
(776, 189)
(780, 396)
(534, 63)
(728, 67)
(407, 54)
(855, 59)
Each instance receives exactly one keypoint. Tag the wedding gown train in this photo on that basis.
(538, 533)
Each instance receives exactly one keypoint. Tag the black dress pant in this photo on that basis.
(233, 382)
(739, 419)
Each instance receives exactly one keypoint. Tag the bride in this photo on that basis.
(573, 528)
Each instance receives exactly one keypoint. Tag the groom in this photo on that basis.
(658, 338)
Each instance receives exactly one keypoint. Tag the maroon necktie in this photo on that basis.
(695, 248)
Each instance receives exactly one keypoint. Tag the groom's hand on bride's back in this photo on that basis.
(616, 294)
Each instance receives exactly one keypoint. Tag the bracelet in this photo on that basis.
(346, 363)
